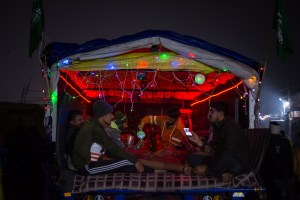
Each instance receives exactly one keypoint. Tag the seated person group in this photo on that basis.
(97, 147)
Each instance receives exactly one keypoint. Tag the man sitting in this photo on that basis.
(226, 154)
(174, 142)
(75, 121)
(92, 144)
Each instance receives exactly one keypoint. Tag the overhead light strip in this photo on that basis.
(214, 95)
(74, 89)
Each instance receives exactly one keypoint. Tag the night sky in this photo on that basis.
(242, 26)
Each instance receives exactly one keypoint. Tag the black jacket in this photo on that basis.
(278, 162)
(230, 139)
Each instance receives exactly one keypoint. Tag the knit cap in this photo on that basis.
(101, 108)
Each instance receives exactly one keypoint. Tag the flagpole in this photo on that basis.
(268, 47)
(262, 69)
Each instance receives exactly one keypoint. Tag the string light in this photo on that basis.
(191, 55)
(214, 95)
(138, 88)
(89, 81)
(64, 62)
(74, 89)
(163, 56)
(142, 65)
(141, 93)
(54, 97)
(175, 64)
(111, 66)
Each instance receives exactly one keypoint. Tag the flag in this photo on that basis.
(284, 40)
(37, 26)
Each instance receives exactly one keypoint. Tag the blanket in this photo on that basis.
(159, 182)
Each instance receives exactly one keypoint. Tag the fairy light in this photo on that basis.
(137, 88)
(46, 95)
(122, 84)
(63, 62)
(163, 56)
(111, 66)
(142, 64)
(214, 95)
(191, 55)
(225, 69)
(54, 97)
(74, 89)
(175, 64)
(93, 80)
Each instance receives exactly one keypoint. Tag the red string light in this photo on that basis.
(214, 95)
(74, 89)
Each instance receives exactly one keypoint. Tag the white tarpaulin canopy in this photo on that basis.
(158, 52)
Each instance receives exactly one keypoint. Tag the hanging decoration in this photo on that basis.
(199, 79)
(112, 78)
(141, 135)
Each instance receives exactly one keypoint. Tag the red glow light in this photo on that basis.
(214, 95)
(74, 89)
(142, 64)
(191, 55)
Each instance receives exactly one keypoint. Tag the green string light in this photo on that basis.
(163, 56)
(54, 97)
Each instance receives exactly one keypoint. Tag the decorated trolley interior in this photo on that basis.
(145, 74)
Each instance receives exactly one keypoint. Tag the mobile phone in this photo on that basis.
(187, 132)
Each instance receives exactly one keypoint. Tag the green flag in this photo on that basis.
(37, 26)
(284, 40)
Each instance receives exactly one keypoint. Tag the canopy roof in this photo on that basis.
(150, 64)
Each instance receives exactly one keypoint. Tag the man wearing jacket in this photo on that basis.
(92, 144)
(226, 154)
(174, 142)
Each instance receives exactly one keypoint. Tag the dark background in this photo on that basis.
(242, 26)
